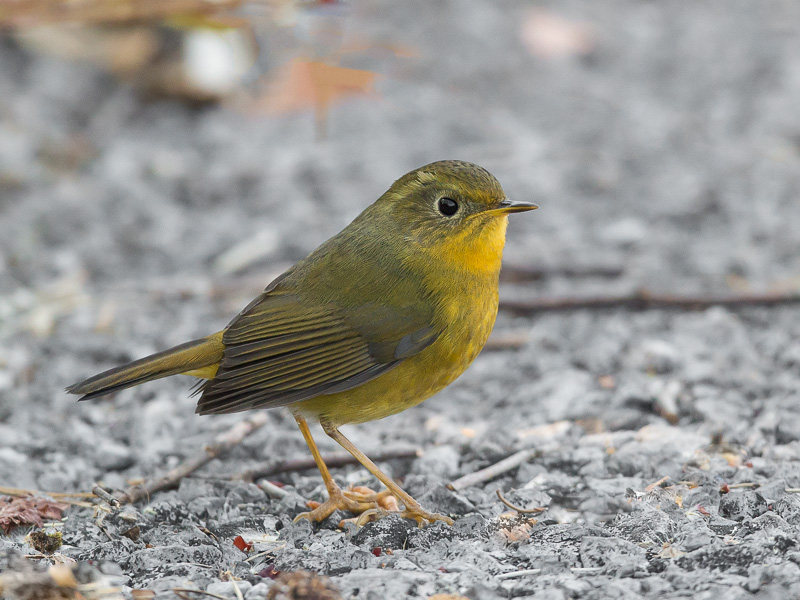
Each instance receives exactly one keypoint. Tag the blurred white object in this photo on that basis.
(216, 60)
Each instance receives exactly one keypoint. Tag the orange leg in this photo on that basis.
(338, 499)
(412, 508)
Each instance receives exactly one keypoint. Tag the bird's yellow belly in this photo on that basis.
(416, 378)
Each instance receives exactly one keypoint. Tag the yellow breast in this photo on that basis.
(463, 279)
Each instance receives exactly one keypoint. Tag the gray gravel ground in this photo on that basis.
(671, 151)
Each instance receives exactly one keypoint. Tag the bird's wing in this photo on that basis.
(282, 349)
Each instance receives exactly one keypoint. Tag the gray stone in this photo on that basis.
(228, 588)
(439, 460)
(113, 456)
(257, 592)
(611, 554)
(737, 506)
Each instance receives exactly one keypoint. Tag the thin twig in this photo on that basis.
(522, 573)
(223, 442)
(99, 522)
(644, 300)
(272, 490)
(526, 572)
(105, 496)
(490, 472)
(237, 590)
(656, 484)
(62, 497)
(517, 273)
(332, 460)
(523, 511)
(182, 593)
(10, 491)
(506, 340)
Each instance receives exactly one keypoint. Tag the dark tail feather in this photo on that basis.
(197, 354)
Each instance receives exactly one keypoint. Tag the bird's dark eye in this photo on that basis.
(448, 207)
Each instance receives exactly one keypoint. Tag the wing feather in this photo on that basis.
(282, 349)
(286, 376)
(287, 364)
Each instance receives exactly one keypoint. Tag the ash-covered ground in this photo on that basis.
(664, 444)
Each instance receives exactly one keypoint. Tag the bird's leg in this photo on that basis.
(413, 510)
(337, 498)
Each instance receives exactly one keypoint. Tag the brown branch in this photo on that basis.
(506, 340)
(184, 593)
(524, 511)
(656, 484)
(492, 471)
(222, 443)
(519, 273)
(644, 300)
(332, 460)
(105, 496)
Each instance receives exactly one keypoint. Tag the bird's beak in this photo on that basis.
(511, 206)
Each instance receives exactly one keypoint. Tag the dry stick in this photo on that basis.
(332, 460)
(222, 443)
(236, 589)
(523, 511)
(506, 340)
(644, 300)
(272, 490)
(656, 484)
(492, 471)
(517, 273)
(531, 572)
(184, 593)
(10, 491)
(105, 496)
(63, 497)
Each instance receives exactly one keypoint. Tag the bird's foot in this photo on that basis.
(369, 506)
(388, 506)
(360, 500)
(423, 517)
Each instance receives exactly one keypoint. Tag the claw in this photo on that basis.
(369, 506)
(373, 514)
(423, 517)
(338, 499)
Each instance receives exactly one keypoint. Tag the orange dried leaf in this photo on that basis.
(241, 544)
(309, 84)
(29, 510)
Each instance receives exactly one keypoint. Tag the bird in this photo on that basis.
(380, 317)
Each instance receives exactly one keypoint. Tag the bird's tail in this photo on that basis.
(199, 358)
